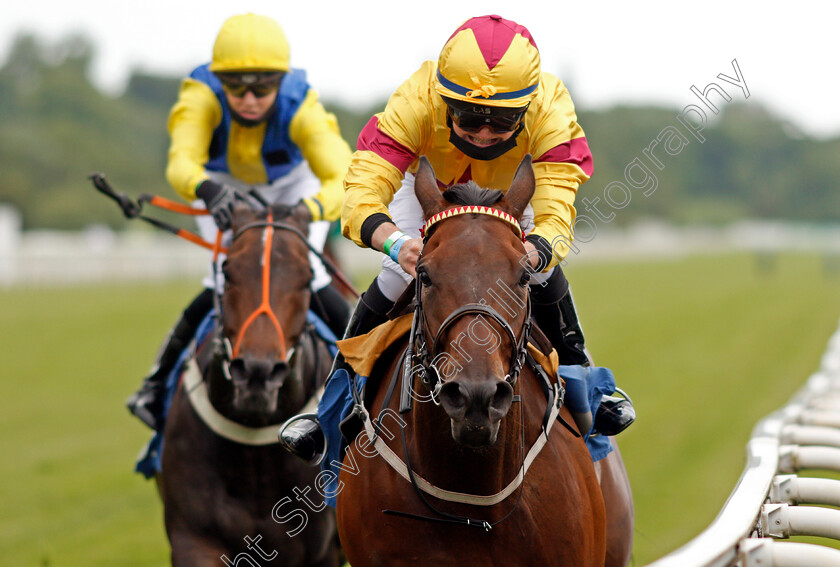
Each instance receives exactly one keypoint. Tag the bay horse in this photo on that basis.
(452, 471)
(224, 479)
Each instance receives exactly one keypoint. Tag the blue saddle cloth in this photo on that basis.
(584, 388)
(149, 461)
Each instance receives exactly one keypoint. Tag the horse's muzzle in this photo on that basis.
(256, 383)
(476, 409)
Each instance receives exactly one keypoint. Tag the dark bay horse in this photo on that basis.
(468, 480)
(231, 495)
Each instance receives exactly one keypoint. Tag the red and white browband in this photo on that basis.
(472, 209)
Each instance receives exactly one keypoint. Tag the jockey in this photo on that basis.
(474, 114)
(248, 120)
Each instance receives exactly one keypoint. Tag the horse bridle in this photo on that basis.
(229, 352)
(424, 356)
(419, 352)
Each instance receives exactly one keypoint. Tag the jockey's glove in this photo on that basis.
(220, 200)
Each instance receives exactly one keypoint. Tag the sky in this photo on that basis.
(608, 52)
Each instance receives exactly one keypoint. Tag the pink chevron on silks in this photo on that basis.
(472, 209)
(494, 35)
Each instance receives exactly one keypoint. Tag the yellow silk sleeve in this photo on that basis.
(316, 133)
(557, 183)
(192, 121)
(553, 207)
(368, 188)
(407, 127)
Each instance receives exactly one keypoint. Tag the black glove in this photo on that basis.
(220, 200)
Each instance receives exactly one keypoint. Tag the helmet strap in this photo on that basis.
(483, 154)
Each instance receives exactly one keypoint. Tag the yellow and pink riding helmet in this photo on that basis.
(489, 61)
(488, 72)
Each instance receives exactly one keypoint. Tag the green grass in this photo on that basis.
(72, 356)
(705, 346)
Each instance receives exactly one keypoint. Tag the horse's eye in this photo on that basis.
(424, 278)
(524, 279)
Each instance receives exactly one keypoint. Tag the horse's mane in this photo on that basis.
(470, 193)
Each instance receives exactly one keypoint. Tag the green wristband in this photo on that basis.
(391, 240)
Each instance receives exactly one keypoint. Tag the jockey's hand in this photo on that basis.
(409, 254)
(220, 200)
(533, 255)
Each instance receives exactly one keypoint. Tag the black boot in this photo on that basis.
(559, 321)
(614, 415)
(554, 312)
(301, 435)
(330, 307)
(147, 402)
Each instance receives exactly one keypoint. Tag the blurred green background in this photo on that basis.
(57, 128)
(706, 344)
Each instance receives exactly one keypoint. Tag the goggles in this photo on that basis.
(261, 84)
(477, 116)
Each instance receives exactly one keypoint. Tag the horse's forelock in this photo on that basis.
(470, 193)
(279, 211)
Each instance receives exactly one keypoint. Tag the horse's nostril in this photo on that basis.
(280, 372)
(452, 399)
(502, 399)
(250, 369)
(237, 369)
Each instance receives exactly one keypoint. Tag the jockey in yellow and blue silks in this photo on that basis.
(474, 113)
(248, 120)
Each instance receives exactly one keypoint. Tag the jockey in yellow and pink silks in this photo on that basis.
(248, 120)
(474, 114)
(493, 65)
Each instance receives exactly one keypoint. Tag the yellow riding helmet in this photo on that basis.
(250, 42)
(490, 61)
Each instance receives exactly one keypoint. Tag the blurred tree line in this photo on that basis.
(56, 128)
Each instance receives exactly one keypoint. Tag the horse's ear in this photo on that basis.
(521, 190)
(242, 214)
(301, 215)
(426, 189)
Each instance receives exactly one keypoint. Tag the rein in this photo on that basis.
(555, 394)
(132, 210)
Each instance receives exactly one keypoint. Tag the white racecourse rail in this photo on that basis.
(765, 505)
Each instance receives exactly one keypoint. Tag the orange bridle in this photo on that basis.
(265, 304)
